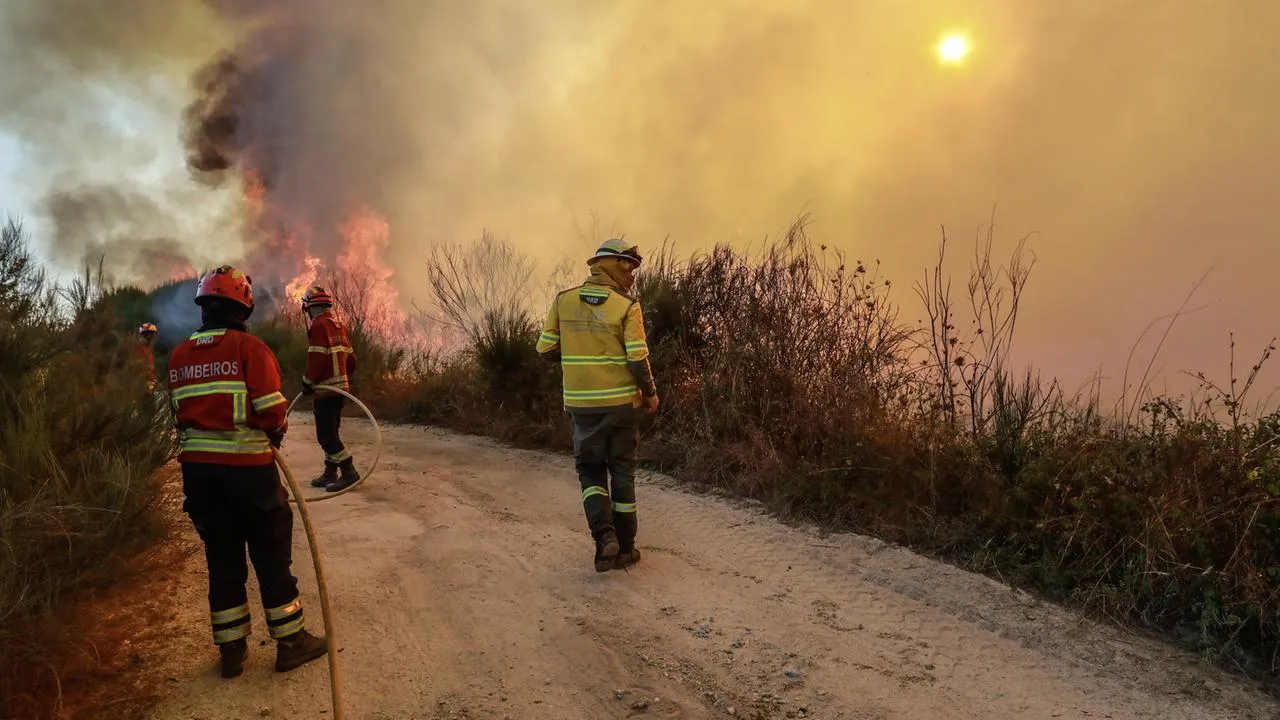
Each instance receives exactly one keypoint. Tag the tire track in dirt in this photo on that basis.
(462, 585)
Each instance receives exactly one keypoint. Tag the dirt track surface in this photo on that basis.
(462, 587)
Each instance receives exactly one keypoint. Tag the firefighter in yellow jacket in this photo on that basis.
(596, 332)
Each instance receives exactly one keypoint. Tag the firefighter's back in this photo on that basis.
(593, 350)
(335, 327)
(330, 357)
(209, 388)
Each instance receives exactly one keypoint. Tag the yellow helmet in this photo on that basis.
(619, 248)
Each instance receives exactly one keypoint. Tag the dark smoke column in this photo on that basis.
(254, 121)
(301, 112)
(228, 138)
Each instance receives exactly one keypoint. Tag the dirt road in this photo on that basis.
(462, 586)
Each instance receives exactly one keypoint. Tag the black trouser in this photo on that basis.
(604, 448)
(328, 410)
(233, 507)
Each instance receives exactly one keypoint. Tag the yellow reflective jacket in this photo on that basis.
(597, 332)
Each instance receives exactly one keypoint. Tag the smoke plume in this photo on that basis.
(71, 75)
(132, 233)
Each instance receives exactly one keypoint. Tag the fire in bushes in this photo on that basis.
(304, 225)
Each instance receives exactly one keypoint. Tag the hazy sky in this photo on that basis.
(1137, 139)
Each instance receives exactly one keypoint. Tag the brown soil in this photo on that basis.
(462, 587)
(97, 655)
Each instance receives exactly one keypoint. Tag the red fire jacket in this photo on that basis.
(330, 358)
(148, 361)
(225, 389)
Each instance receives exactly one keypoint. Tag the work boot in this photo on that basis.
(298, 649)
(350, 476)
(233, 655)
(626, 558)
(329, 476)
(606, 551)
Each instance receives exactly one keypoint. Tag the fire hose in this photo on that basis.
(377, 445)
(331, 637)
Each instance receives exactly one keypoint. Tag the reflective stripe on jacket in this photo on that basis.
(598, 333)
(330, 358)
(224, 385)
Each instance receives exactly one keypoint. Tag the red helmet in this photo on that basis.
(226, 282)
(316, 296)
(147, 329)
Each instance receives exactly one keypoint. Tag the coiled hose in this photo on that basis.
(377, 445)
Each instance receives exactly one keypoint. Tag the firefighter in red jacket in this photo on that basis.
(330, 363)
(147, 338)
(224, 385)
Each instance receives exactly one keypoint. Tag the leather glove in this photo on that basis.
(307, 387)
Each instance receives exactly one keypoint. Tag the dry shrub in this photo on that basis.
(80, 441)
(787, 376)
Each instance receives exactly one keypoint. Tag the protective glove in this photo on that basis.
(276, 437)
(307, 387)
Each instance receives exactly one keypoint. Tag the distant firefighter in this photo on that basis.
(331, 361)
(596, 332)
(146, 339)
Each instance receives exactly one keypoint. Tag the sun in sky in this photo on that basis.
(952, 49)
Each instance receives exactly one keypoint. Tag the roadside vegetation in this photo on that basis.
(81, 440)
(788, 374)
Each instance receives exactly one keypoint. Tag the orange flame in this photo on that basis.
(367, 279)
(297, 287)
(182, 270)
(280, 246)
(360, 280)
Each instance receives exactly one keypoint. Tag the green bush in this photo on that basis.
(81, 439)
